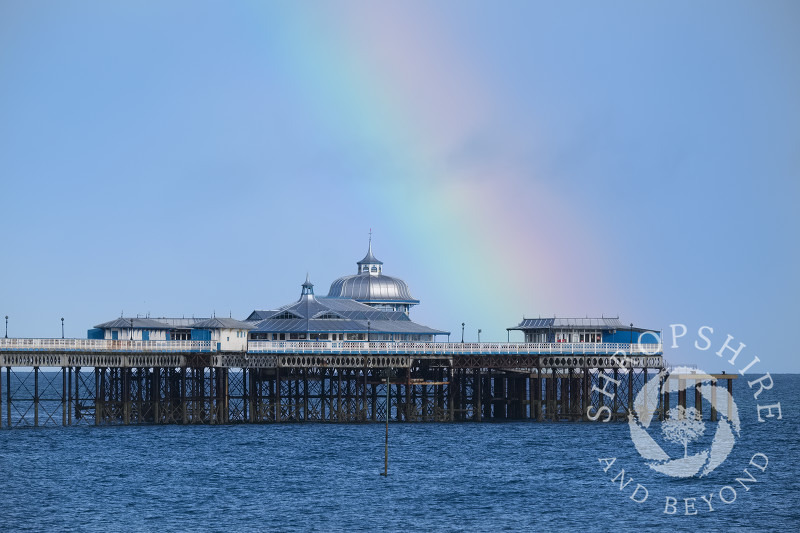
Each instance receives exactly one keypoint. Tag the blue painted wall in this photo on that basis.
(624, 336)
(201, 334)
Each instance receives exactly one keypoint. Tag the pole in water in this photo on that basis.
(386, 445)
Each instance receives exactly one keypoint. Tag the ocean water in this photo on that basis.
(443, 477)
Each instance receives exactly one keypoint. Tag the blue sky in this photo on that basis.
(521, 158)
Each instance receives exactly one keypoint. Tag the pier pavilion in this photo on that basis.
(338, 318)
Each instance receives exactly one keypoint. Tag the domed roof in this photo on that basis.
(371, 288)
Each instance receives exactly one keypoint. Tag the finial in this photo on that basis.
(370, 239)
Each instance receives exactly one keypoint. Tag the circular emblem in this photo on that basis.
(683, 425)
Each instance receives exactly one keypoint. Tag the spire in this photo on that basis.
(370, 264)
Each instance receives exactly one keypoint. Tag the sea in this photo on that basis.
(490, 476)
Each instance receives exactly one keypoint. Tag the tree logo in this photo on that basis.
(684, 425)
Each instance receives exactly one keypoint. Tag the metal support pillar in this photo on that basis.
(184, 409)
(630, 389)
(98, 390)
(64, 395)
(730, 398)
(275, 395)
(586, 395)
(36, 396)
(126, 396)
(69, 388)
(8, 395)
(713, 400)
(698, 399)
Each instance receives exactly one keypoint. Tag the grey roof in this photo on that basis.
(308, 306)
(222, 323)
(372, 288)
(181, 322)
(370, 259)
(151, 323)
(344, 326)
(353, 317)
(138, 323)
(337, 307)
(570, 323)
(259, 314)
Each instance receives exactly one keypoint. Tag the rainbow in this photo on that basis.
(382, 76)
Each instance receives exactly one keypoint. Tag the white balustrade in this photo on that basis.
(332, 347)
(453, 348)
(102, 345)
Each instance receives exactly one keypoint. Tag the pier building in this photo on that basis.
(145, 329)
(366, 306)
(341, 318)
(595, 330)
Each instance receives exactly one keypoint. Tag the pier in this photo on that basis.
(68, 382)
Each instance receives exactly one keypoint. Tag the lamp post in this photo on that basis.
(631, 338)
(369, 329)
(462, 333)
(131, 329)
(479, 336)
(62, 327)
(6, 326)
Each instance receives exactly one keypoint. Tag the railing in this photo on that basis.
(452, 348)
(331, 347)
(101, 345)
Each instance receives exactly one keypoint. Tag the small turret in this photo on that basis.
(308, 288)
(370, 264)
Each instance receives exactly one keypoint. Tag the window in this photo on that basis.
(286, 315)
(180, 335)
